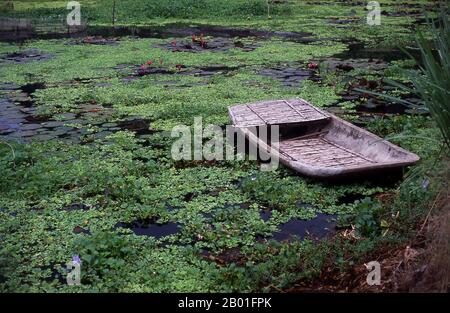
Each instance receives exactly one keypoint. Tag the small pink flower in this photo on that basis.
(312, 66)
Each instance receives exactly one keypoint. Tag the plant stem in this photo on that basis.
(114, 13)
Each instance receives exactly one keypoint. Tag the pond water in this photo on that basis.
(19, 119)
(357, 49)
(317, 228)
(161, 32)
(25, 56)
(204, 215)
(290, 75)
(148, 227)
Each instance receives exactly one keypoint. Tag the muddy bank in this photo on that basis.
(419, 264)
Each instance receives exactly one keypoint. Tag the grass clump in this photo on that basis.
(432, 83)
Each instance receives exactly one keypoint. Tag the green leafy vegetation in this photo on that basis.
(366, 217)
(59, 199)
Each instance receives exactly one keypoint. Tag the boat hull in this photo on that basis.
(334, 148)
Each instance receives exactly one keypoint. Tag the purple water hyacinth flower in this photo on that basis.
(76, 259)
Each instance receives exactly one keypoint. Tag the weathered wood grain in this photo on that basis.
(330, 148)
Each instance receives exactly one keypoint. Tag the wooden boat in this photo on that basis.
(316, 143)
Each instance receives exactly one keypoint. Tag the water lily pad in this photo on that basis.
(52, 124)
(109, 125)
(28, 133)
(44, 137)
(31, 126)
(66, 116)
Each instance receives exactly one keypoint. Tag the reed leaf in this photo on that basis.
(432, 80)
